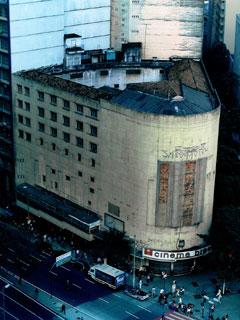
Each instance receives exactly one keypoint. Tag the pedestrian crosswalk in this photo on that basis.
(173, 315)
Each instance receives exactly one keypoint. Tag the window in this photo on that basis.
(20, 118)
(89, 202)
(53, 132)
(79, 125)
(67, 178)
(93, 163)
(27, 106)
(66, 137)
(56, 185)
(93, 131)
(94, 113)
(66, 104)
(26, 91)
(53, 116)
(79, 157)
(80, 173)
(79, 142)
(20, 134)
(40, 95)
(53, 171)
(28, 137)
(92, 179)
(116, 85)
(41, 141)
(93, 147)
(53, 99)
(44, 178)
(20, 104)
(79, 108)
(41, 127)
(19, 88)
(53, 146)
(91, 190)
(66, 152)
(113, 209)
(66, 121)
(41, 112)
(27, 122)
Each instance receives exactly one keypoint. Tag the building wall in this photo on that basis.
(38, 28)
(6, 141)
(165, 28)
(224, 22)
(125, 184)
(117, 77)
(237, 47)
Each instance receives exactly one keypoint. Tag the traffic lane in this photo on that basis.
(23, 307)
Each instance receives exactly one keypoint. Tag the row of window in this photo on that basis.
(54, 101)
(25, 135)
(92, 179)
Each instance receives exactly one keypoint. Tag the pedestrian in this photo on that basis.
(174, 287)
(63, 309)
(148, 278)
(202, 309)
(180, 300)
(153, 292)
(36, 291)
(182, 291)
(219, 295)
(177, 292)
(140, 284)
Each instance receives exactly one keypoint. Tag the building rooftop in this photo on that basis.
(191, 102)
(57, 206)
(63, 84)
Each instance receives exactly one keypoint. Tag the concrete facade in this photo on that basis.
(224, 22)
(165, 28)
(38, 28)
(149, 175)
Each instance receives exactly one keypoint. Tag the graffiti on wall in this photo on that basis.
(187, 153)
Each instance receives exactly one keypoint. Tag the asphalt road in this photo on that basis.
(82, 293)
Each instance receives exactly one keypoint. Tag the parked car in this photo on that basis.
(137, 294)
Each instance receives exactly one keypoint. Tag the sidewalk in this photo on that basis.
(195, 285)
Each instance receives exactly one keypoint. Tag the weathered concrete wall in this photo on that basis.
(38, 28)
(117, 77)
(165, 28)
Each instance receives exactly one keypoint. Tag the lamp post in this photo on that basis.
(134, 262)
(3, 295)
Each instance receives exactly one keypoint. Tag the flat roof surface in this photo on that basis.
(109, 269)
(60, 206)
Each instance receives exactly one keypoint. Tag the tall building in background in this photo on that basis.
(38, 29)
(224, 22)
(165, 28)
(6, 137)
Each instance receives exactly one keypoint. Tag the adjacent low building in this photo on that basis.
(142, 159)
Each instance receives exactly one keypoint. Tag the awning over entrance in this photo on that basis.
(56, 209)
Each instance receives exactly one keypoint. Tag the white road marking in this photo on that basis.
(144, 308)
(117, 295)
(9, 260)
(10, 249)
(24, 262)
(12, 316)
(103, 300)
(65, 268)
(36, 258)
(75, 285)
(133, 315)
(89, 280)
(41, 255)
(55, 274)
(47, 254)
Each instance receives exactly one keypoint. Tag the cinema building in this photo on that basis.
(140, 160)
